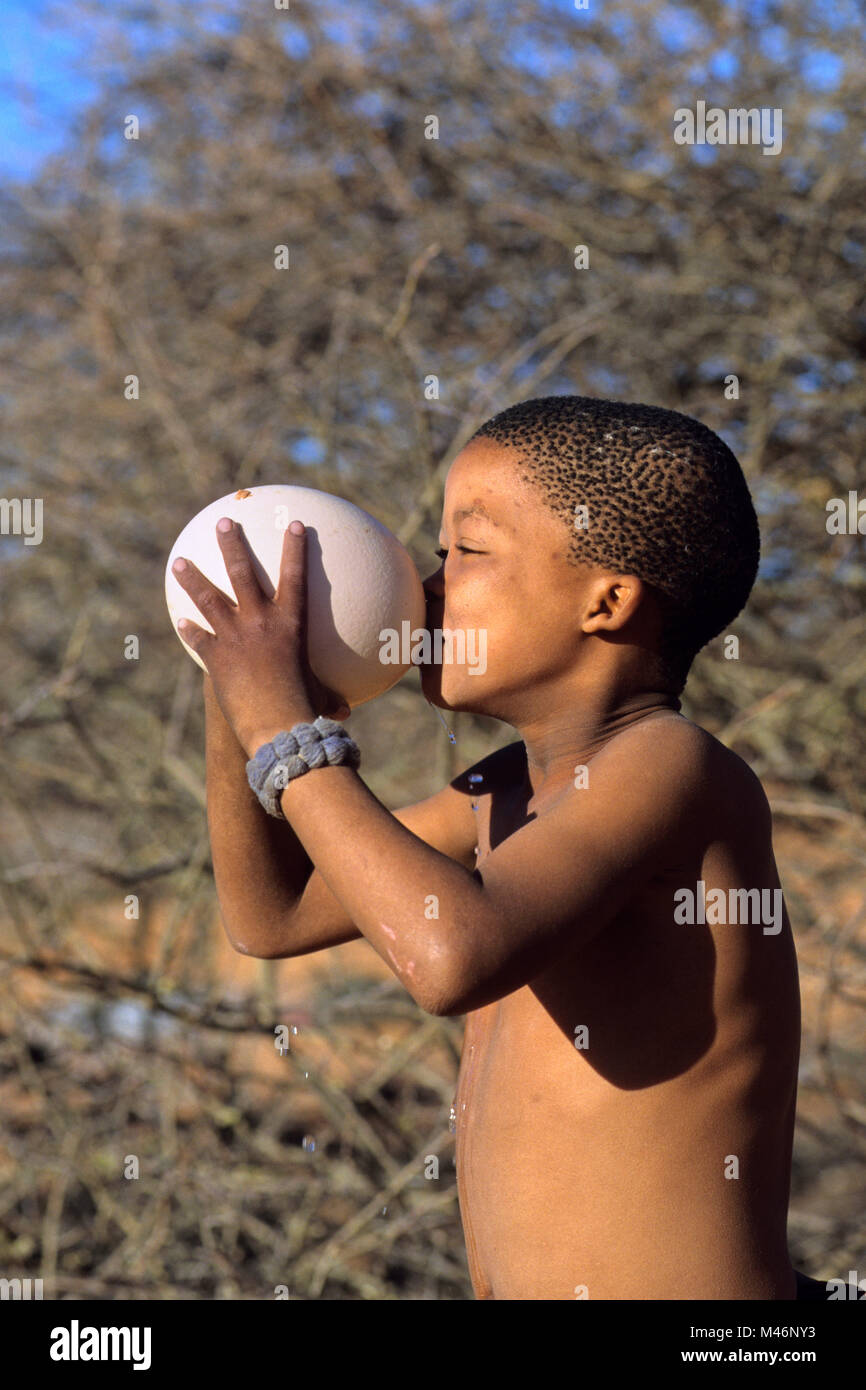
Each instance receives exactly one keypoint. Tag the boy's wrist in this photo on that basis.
(298, 710)
(254, 738)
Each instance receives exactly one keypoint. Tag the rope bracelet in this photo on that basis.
(320, 744)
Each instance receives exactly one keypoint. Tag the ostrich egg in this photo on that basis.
(360, 580)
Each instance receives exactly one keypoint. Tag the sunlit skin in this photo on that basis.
(506, 572)
(599, 1173)
(626, 1094)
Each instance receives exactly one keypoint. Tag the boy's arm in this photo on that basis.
(272, 901)
(459, 939)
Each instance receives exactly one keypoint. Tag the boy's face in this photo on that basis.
(516, 598)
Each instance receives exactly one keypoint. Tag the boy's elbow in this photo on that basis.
(448, 991)
(432, 1001)
(454, 1004)
(467, 986)
(259, 951)
(243, 949)
(431, 983)
(246, 945)
(446, 1008)
(438, 1005)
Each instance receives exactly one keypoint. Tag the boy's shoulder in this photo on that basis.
(679, 760)
(674, 757)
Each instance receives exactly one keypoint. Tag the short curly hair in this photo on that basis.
(665, 500)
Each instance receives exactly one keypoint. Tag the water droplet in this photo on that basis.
(475, 805)
(294, 1030)
(384, 1211)
(451, 736)
(475, 779)
(309, 1143)
(306, 1076)
(452, 1121)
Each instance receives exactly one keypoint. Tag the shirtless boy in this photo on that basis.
(625, 1105)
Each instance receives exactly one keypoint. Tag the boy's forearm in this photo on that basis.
(260, 866)
(407, 899)
(412, 903)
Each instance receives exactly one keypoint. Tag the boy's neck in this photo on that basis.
(567, 739)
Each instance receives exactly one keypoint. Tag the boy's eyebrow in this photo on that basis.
(476, 510)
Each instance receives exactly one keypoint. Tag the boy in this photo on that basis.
(609, 918)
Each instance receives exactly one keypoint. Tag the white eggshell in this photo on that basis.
(360, 579)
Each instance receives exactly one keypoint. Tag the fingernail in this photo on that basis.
(297, 528)
(224, 524)
(179, 566)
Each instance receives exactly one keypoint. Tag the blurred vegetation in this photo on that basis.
(409, 258)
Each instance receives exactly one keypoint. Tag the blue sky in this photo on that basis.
(39, 87)
(44, 81)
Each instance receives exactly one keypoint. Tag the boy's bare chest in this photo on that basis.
(580, 1094)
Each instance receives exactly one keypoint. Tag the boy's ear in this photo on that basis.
(611, 601)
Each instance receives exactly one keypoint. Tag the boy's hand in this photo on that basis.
(257, 655)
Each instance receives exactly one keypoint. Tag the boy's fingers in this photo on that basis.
(292, 591)
(238, 562)
(292, 584)
(210, 601)
(195, 637)
(332, 705)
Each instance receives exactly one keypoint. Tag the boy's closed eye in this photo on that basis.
(443, 554)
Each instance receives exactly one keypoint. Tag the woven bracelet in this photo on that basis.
(324, 743)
